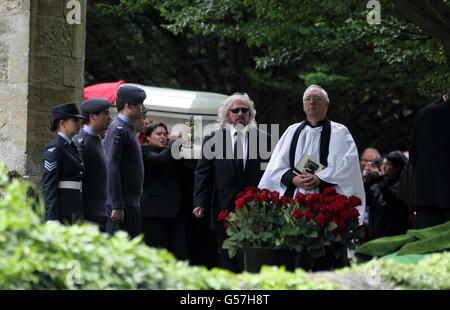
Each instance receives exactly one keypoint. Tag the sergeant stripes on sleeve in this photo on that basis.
(50, 166)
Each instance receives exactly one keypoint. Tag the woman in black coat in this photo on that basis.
(388, 215)
(62, 168)
(162, 220)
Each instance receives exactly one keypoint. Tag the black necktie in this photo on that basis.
(238, 153)
(77, 151)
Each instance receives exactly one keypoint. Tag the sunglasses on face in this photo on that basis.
(236, 110)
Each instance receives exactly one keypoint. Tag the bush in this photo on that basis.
(55, 256)
(430, 273)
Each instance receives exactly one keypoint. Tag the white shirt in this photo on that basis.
(65, 137)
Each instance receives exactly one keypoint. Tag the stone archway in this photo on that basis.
(42, 52)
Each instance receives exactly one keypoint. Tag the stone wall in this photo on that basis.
(14, 63)
(41, 65)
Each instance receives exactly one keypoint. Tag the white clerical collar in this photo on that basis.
(319, 124)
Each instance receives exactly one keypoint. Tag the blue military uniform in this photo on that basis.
(95, 176)
(125, 166)
(62, 172)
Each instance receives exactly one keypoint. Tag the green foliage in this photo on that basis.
(431, 273)
(377, 76)
(55, 256)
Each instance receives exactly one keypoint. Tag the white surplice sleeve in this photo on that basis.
(343, 166)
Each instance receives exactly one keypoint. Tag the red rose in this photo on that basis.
(340, 222)
(300, 198)
(264, 197)
(297, 214)
(265, 192)
(240, 194)
(329, 191)
(354, 212)
(354, 201)
(320, 220)
(316, 205)
(308, 215)
(345, 214)
(239, 203)
(337, 205)
(285, 200)
(341, 197)
(251, 189)
(312, 197)
(275, 196)
(222, 215)
(249, 197)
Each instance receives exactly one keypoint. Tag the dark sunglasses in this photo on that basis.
(236, 111)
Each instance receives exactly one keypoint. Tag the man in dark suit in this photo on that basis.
(231, 161)
(88, 142)
(429, 155)
(62, 168)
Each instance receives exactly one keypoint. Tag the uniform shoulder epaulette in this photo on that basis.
(80, 144)
(118, 134)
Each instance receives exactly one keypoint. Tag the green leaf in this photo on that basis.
(313, 234)
(332, 226)
(226, 243)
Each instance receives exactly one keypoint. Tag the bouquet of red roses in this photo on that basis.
(307, 224)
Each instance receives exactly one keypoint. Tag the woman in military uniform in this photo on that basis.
(62, 167)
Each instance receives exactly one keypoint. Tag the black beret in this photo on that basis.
(131, 94)
(94, 105)
(65, 111)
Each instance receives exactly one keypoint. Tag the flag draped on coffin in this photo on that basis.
(103, 90)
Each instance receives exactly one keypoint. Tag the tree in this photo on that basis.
(432, 16)
(378, 76)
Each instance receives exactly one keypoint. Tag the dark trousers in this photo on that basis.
(168, 233)
(100, 221)
(429, 216)
(131, 222)
(234, 264)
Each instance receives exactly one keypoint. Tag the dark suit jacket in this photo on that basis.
(61, 162)
(216, 182)
(162, 192)
(95, 176)
(429, 153)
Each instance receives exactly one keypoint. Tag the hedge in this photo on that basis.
(35, 255)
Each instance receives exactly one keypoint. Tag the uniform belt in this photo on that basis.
(70, 185)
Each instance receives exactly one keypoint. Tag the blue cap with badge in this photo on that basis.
(65, 111)
(94, 105)
(131, 94)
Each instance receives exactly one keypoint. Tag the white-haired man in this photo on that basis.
(231, 161)
(328, 143)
